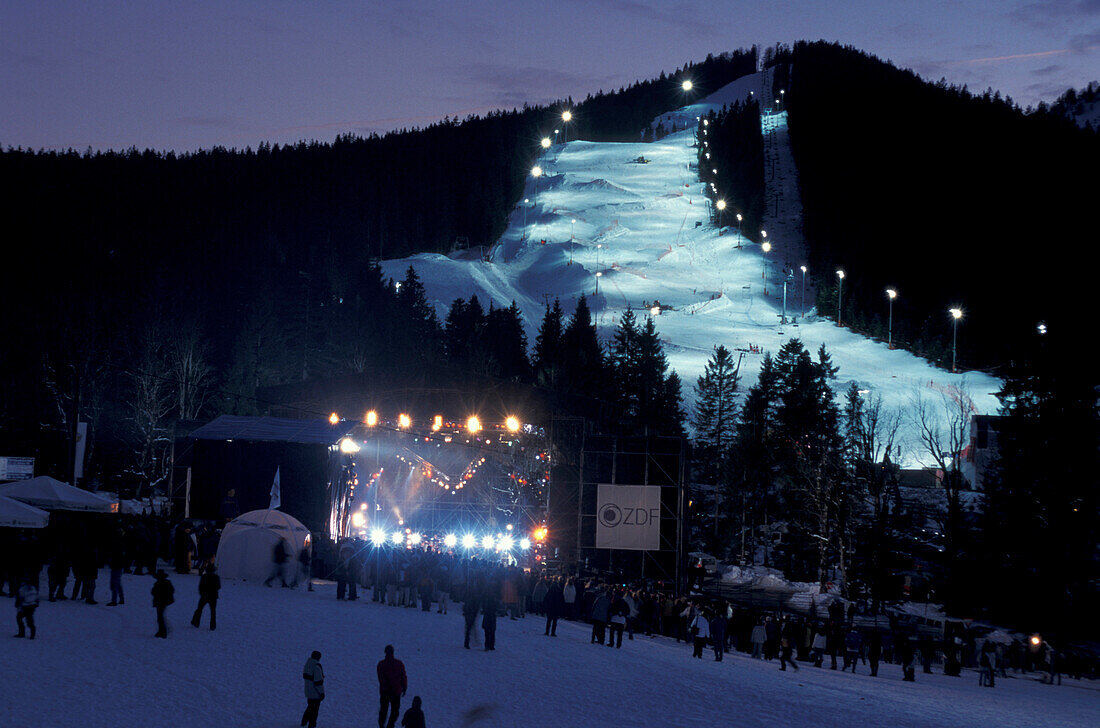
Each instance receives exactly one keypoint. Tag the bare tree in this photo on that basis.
(943, 427)
(188, 360)
(152, 399)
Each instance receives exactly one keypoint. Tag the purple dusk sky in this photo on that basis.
(172, 75)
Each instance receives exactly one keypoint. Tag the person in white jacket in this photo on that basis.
(758, 636)
(314, 678)
(700, 632)
(569, 593)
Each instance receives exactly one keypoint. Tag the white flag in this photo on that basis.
(276, 500)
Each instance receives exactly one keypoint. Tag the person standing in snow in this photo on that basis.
(569, 594)
(853, 642)
(305, 563)
(617, 620)
(700, 633)
(757, 640)
(163, 594)
(908, 661)
(314, 678)
(819, 644)
(600, 615)
(553, 603)
(718, 631)
(209, 585)
(469, 614)
(414, 716)
(489, 607)
(874, 651)
(26, 601)
(392, 684)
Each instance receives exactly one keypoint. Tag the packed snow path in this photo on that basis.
(99, 666)
(641, 220)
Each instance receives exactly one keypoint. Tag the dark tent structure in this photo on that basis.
(242, 454)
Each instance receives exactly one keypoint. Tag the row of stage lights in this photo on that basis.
(499, 543)
(404, 422)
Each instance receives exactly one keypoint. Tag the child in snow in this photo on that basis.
(414, 716)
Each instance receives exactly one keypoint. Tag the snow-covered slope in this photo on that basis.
(641, 220)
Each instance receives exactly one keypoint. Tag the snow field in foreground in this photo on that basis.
(101, 666)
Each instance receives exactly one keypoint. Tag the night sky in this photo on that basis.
(235, 73)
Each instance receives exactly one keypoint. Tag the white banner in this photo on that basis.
(628, 517)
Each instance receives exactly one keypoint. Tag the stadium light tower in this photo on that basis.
(767, 248)
(566, 117)
(956, 314)
(739, 238)
(891, 293)
(536, 172)
(839, 288)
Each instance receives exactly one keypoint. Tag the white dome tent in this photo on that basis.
(247, 545)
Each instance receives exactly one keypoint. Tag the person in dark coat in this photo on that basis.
(554, 604)
(314, 678)
(786, 645)
(600, 613)
(489, 607)
(392, 684)
(209, 585)
(874, 651)
(280, 555)
(616, 620)
(163, 594)
(908, 661)
(469, 614)
(305, 566)
(718, 631)
(414, 716)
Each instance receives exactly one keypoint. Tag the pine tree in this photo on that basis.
(623, 360)
(584, 357)
(549, 355)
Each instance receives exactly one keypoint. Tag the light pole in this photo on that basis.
(526, 202)
(956, 314)
(891, 294)
(739, 238)
(536, 172)
(803, 313)
(572, 222)
(766, 247)
(839, 290)
(598, 272)
(566, 117)
(782, 95)
(788, 275)
(720, 205)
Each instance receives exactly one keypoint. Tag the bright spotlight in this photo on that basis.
(545, 142)
(766, 247)
(378, 537)
(437, 423)
(506, 543)
(397, 537)
(892, 293)
(334, 419)
(686, 85)
(721, 204)
(371, 419)
(655, 311)
(536, 171)
(469, 541)
(567, 116)
(473, 425)
(525, 543)
(404, 421)
(512, 423)
(450, 540)
(956, 313)
(487, 541)
(349, 446)
(414, 539)
(358, 519)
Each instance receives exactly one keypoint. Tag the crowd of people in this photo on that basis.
(488, 590)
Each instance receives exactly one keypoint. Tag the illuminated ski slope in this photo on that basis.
(641, 221)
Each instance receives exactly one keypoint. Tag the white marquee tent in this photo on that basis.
(247, 545)
(52, 495)
(14, 514)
